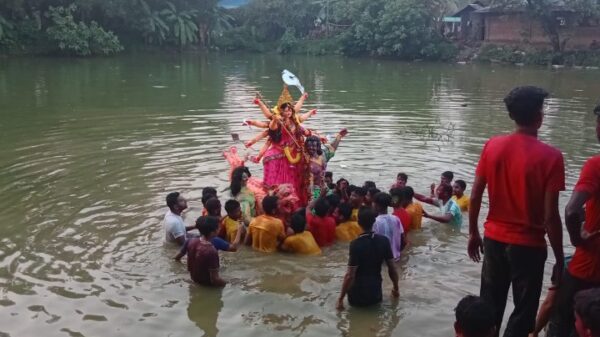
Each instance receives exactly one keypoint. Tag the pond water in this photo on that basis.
(91, 147)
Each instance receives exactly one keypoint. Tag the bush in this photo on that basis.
(288, 41)
(513, 55)
(71, 38)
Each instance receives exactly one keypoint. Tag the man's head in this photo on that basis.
(233, 209)
(407, 196)
(396, 194)
(370, 194)
(366, 218)
(369, 185)
(208, 193)
(269, 205)
(328, 178)
(298, 222)
(342, 184)
(344, 212)
(459, 187)
(444, 192)
(334, 201)
(447, 177)
(213, 207)
(321, 207)
(381, 202)
(357, 197)
(597, 113)
(525, 106)
(176, 202)
(401, 180)
(587, 313)
(474, 318)
(208, 226)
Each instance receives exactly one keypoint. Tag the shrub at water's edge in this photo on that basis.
(530, 56)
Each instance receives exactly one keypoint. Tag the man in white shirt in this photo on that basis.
(175, 228)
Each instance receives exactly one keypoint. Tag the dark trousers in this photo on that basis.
(562, 322)
(523, 268)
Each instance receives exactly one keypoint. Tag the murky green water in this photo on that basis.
(91, 147)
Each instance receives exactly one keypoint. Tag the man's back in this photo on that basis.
(389, 226)
(265, 231)
(202, 258)
(301, 243)
(519, 169)
(348, 231)
(322, 229)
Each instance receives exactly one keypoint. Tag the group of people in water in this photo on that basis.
(297, 208)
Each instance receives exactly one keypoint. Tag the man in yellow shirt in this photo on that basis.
(302, 241)
(347, 230)
(461, 199)
(266, 231)
(413, 208)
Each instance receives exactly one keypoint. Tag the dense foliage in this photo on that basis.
(407, 29)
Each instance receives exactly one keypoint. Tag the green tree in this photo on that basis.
(182, 23)
(154, 27)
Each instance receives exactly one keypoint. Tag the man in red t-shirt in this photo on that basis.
(524, 177)
(203, 258)
(321, 226)
(584, 268)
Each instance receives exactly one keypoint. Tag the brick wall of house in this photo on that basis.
(517, 28)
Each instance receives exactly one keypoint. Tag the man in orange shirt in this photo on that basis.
(524, 177)
(584, 269)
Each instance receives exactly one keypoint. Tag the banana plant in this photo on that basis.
(155, 29)
(182, 24)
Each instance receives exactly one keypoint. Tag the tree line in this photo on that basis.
(404, 29)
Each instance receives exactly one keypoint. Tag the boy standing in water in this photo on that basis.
(321, 225)
(363, 282)
(357, 200)
(175, 228)
(203, 258)
(461, 199)
(413, 208)
(450, 212)
(302, 241)
(347, 230)
(207, 193)
(445, 178)
(388, 225)
(266, 231)
(401, 180)
(524, 178)
(398, 204)
(231, 223)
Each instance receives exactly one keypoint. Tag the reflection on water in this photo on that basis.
(91, 147)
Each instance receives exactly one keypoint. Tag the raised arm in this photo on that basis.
(263, 107)
(446, 218)
(258, 124)
(305, 116)
(298, 105)
(427, 200)
(475, 246)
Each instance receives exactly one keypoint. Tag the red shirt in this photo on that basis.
(404, 217)
(322, 228)
(519, 169)
(586, 261)
(202, 258)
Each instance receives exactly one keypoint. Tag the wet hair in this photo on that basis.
(337, 183)
(236, 179)
(369, 185)
(298, 221)
(446, 188)
(474, 317)
(345, 211)
(334, 201)
(402, 176)
(321, 207)
(269, 204)
(587, 307)
(316, 139)
(360, 191)
(207, 224)
(231, 205)
(329, 174)
(366, 218)
(461, 183)
(208, 193)
(373, 191)
(172, 199)
(382, 200)
(408, 192)
(213, 205)
(448, 175)
(525, 103)
(396, 192)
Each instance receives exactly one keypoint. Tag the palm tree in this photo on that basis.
(182, 23)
